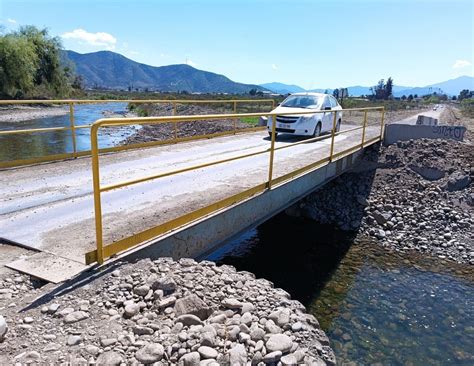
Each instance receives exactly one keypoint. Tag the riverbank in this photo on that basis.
(166, 131)
(414, 195)
(184, 312)
(26, 113)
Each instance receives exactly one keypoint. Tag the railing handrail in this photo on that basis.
(123, 244)
(138, 101)
(72, 127)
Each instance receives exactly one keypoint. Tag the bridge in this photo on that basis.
(182, 199)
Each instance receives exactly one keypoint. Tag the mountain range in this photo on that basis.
(106, 69)
(450, 87)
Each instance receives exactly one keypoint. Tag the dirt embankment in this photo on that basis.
(411, 195)
(26, 113)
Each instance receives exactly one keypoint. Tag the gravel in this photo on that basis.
(413, 195)
(217, 316)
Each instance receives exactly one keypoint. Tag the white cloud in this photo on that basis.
(191, 63)
(459, 64)
(11, 21)
(100, 39)
(274, 67)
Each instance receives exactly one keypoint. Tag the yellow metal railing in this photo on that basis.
(73, 127)
(104, 251)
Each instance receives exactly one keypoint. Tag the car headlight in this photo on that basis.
(306, 118)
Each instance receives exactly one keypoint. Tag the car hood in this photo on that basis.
(292, 110)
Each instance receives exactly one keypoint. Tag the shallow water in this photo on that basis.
(23, 146)
(376, 306)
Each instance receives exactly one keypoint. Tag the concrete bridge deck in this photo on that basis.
(49, 207)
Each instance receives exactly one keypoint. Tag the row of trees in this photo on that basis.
(30, 65)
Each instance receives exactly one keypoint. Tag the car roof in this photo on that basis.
(310, 93)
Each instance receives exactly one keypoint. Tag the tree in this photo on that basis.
(404, 97)
(454, 97)
(253, 91)
(388, 88)
(410, 97)
(335, 93)
(18, 64)
(465, 93)
(30, 63)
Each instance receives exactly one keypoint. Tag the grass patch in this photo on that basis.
(251, 121)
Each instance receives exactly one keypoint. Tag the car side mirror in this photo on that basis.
(327, 108)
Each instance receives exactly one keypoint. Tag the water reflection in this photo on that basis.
(377, 307)
(23, 146)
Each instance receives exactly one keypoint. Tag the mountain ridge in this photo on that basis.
(450, 87)
(111, 70)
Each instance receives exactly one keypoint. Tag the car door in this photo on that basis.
(327, 115)
(336, 107)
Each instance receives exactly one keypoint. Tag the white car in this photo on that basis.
(307, 124)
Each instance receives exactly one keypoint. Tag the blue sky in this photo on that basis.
(314, 44)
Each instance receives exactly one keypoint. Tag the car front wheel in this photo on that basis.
(317, 130)
(270, 134)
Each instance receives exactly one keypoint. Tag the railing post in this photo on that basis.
(272, 152)
(176, 123)
(382, 123)
(235, 119)
(363, 129)
(333, 135)
(96, 186)
(73, 129)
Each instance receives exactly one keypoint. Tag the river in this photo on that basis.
(377, 307)
(23, 146)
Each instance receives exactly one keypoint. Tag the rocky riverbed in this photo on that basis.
(165, 131)
(25, 113)
(161, 312)
(410, 195)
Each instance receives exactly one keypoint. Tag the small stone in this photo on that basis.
(289, 360)
(131, 310)
(53, 308)
(233, 304)
(3, 328)
(191, 359)
(141, 290)
(279, 342)
(109, 358)
(75, 316)
(192, 305)
(73, 340)
(28, 320)
(207, 352)
(281, 317)
(167, 284)
(257, 334)
(296, 327)
(92, 350)
(189, 319)
(272, 357)
(151, 353)
(167, 302)
(238, 355)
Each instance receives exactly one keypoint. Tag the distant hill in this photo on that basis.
(450, 87)
(281, 88)
(113, 71)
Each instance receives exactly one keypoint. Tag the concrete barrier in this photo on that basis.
(402, 132)
(426, 121)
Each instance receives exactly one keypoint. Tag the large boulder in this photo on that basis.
(192, 305)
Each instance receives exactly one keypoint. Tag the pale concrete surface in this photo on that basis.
(399, 132)
(428, 113)
(50, 206)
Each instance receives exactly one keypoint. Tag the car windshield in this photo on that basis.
(302, 101)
